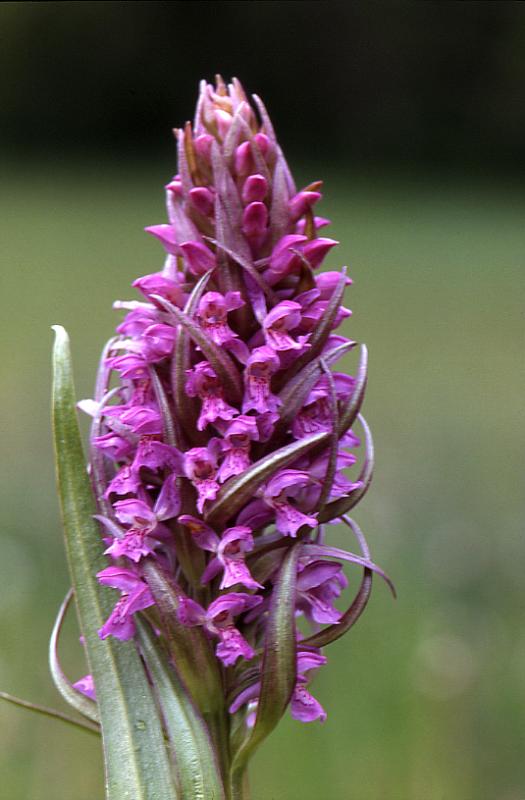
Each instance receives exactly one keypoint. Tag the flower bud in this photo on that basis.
(198, 257)
(254, 220)
(202, 199)
(255, 189)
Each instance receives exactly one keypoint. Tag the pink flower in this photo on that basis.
(229, 550)
(201, 468)
(213, 311)
(218, 620)
(237, 439)
(282, 486)
(261, 365)
(278, 322)
(135, 597)
(203, 383)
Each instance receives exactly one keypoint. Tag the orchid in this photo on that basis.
(222, 448)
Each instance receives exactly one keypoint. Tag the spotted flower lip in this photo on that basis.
(212, 311)
(219, 622)
(228, 440)
(262, 363)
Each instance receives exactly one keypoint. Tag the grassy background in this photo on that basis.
(425, 695)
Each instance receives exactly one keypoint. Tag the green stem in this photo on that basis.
(239, 788)
(218, 726)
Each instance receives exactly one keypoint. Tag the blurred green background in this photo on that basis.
(418, 106)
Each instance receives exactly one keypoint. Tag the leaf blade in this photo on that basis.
(136, 761)
(79, 702)
(52, 713)
(333, 632)
(185, 408)
(355, 402)
(195, 759)
(341, 506)
(189, 647)
(279, 664)
(236, 492)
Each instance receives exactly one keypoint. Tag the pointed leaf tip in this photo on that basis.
(78, 701)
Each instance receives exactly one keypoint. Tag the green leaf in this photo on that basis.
(339, 507)
(333, 632)
(195, 760)
(279, 663)
(78, 701)
(237, 491)
(312, 550)
(170, 427)
(136, 760)
(333, 453)
(294, 394)
(280, 207)
(189, 647)
(355, 402)
(90, 727)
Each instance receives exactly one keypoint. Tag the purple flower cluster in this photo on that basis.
(223, 362)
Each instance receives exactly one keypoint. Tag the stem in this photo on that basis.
(220, 735)
(239, 788)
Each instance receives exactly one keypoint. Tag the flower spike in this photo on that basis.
(224, 447)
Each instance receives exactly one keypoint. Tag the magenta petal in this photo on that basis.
(233, 603)
(284, 479)
(236, 571)
(233, 646)
(255, 514)
(199, 258)
(307, 660)
(246, 696)
(157, 455)
(255, 188)
(135, 512)
(86, 686)
(126, 481)
(289, 519)
(203, 535)
(120, 578)
(212, 570)
(166, 235)
(306, 708)
(120, 622)
(167, 505)
(135, 544)
(190, 613)
(316, 573)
